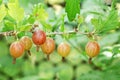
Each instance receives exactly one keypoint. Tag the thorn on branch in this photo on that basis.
(33, 27)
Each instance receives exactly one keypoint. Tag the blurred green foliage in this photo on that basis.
(51, 16)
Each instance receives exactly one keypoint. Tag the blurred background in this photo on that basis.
(106, 66)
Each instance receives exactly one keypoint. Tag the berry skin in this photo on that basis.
(27, 43)
(63, 49)
(38, 38)
(92, 49)
(16, 50)
(48, 47)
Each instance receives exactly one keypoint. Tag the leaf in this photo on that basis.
(108, 23)
(0, 2)
(46, 25)
(46, 71)
(65, 72)
(40, 13)
(80, 19)
(31, 19)
(15, 11)
(72, 8)
(28, 68)
(109, 39)
(25, 28)
(95, 22)
(9, 68)
(3, 12)
(22, 33)
(98, 23)
(30, 77)
(10, 19)
(62, 27)
(43, 15)
(111, 22)
(116, 49)
(8, 26)
(93, 75)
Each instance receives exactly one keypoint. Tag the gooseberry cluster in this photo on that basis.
(47, 46)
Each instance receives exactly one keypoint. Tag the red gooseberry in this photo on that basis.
(16, 50)
(38, 38)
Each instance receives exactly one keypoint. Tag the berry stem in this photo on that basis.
(37, 48)
(90, 61)
(29, 53)
(14, 60)
(48, 57)
(63, 59)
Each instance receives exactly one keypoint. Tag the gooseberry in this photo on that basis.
(92, 49)
(38, 38)
(27, 43)
(48, 47)
(63, 49)
(16, 50)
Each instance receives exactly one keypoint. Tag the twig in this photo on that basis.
(9, 33)
(69, 32)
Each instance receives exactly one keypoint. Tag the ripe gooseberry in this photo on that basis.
(27, 43)
(92, 49)
(63, 49)
(48, 47)
(16, 50)
(38, 38)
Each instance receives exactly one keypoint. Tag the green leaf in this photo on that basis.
(15, 11)
(10, 19)
(109, 39)
(0, 2)
(22, 33)
(104, 24)
(8, 26)
(80, 19)
(3, 12)
(9, 68)
(98, 23)
(111, 22)
(31, 19)
(94, 75)
(46, 71)
(65, 72)
(25, 28)
(40, 13)
(46, 25)
(72, 8)
(28, 68)
(116, 49)
(62, 27)
(30, 77)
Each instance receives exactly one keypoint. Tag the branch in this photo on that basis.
(9, 33)
(69, 32)
(13, 33)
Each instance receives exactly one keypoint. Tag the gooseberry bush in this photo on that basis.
(60, 34)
